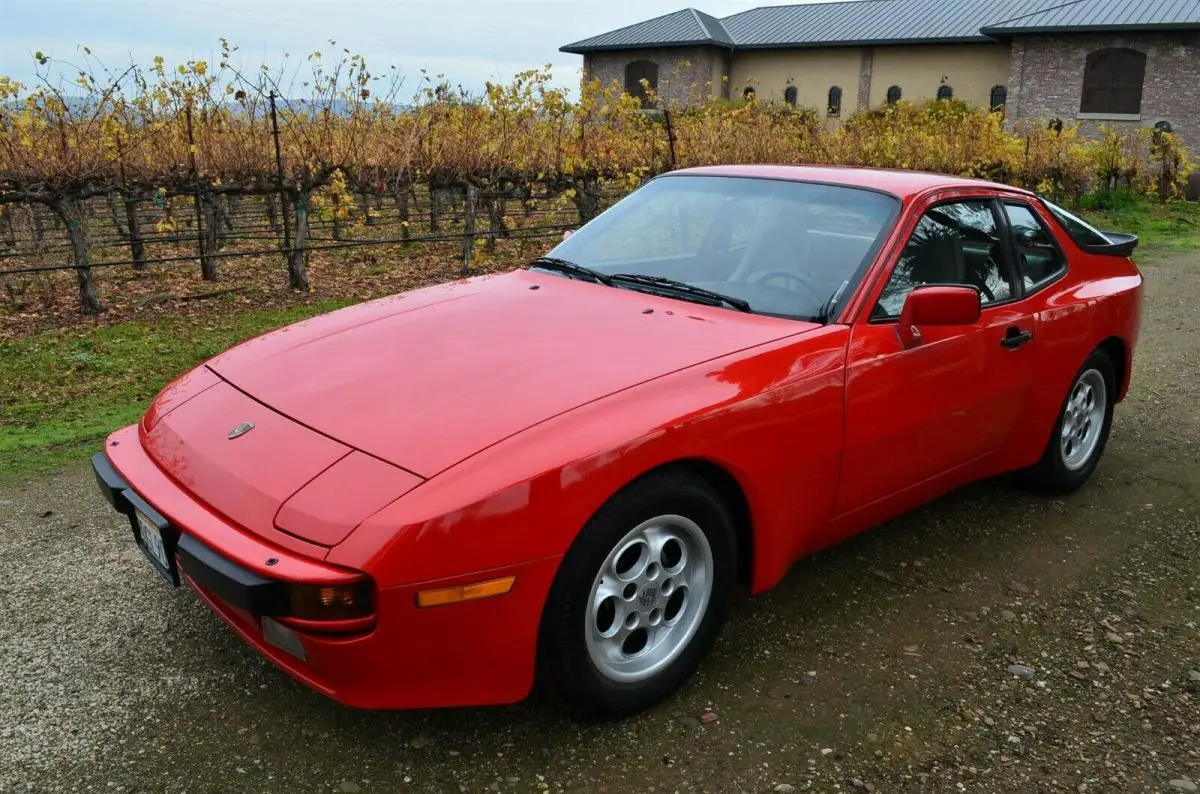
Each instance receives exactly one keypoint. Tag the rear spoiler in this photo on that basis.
(1121, 245)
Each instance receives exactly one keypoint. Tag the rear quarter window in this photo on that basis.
(1079, 230)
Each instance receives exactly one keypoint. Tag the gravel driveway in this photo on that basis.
(991, 642)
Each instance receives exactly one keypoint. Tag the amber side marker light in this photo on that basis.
(466, 592)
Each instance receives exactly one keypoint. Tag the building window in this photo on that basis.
(789, 95)
(1112, 81)
(835, 101)
(945, 92)
(893, 95)
(999, 97)
(635, 73)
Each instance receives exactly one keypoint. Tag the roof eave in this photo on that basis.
(1045, 30)
(583, 49)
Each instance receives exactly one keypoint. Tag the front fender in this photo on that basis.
(771, 417)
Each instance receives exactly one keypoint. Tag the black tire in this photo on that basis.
(1051, 475)
(566, 670)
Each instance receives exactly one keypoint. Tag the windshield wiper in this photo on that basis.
(825, 317)
(572, 269)
(682, 288)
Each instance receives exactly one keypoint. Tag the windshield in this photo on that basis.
(790, 249)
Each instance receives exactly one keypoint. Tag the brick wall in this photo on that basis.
(866, 62)
(684, 73)
(1046, 80)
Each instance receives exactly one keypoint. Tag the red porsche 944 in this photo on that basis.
(556, 476)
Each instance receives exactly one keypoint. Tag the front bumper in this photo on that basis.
(475, 653)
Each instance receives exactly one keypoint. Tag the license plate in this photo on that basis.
(152, 540)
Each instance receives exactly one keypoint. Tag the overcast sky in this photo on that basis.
(470, 41)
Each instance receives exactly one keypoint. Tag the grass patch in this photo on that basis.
(62, 391)
(1170, 227)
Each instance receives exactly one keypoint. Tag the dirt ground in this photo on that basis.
(894, 662)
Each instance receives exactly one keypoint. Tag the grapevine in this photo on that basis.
(335, 146)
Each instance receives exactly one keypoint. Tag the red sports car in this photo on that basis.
(558, 475)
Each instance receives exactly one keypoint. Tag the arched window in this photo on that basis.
(893, 95)
(748, 92)
(945, 92)
(998, 98)
(1112, 81)
(835, 101)
(789, 95)
(635, 73)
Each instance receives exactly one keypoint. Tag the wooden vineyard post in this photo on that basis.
(469, 227)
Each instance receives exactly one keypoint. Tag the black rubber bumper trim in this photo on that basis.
(112, 486)
(231, 582)
(224, 578)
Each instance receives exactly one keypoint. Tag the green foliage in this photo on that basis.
(1172, 226)
(66, 389)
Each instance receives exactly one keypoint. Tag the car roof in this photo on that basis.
(898, 182)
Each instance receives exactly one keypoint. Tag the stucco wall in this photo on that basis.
(684, 73)
(1047, 81)
(811, 71)
(970, 69)
(1043, 74)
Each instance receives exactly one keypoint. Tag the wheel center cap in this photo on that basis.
(648, 596)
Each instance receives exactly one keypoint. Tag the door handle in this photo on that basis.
(1015, 337)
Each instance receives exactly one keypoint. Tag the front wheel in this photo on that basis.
(1081, 432)
(640, 596)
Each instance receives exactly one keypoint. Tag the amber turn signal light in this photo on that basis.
(467, 592)
(330, 602)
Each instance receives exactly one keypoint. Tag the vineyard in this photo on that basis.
(113, 186)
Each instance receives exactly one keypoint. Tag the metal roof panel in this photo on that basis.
(1102, 15)
(688, 26)
(864, 22)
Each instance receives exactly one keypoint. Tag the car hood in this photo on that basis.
(425, 379)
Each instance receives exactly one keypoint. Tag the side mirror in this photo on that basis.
(939, 305)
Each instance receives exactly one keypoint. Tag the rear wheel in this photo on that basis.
(1081, 432)
(640, 596)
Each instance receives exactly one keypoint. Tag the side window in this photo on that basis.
(954, 243)
(1038, 258)
(1082, 232)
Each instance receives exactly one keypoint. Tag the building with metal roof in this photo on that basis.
(1125, 62)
